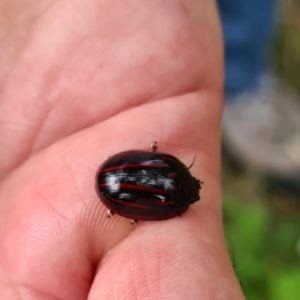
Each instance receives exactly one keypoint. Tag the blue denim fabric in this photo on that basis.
(247, 28)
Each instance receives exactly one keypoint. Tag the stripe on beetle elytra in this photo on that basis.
(164, 203)
(136, 187)
(131, 204)
(133, 166)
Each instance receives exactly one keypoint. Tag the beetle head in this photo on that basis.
(196, 186)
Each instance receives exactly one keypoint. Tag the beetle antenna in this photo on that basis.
(192, 163)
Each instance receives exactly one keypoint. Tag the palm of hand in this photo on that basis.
(82, 80)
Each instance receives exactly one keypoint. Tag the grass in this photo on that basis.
(263, 236)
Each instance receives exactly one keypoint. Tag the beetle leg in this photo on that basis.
(154, 146)
(179, 215)
(110, 213)
(133, 222)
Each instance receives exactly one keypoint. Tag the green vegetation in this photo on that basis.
(286, 52)
(264, 248)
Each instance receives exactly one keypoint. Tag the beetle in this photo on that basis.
(146, 185)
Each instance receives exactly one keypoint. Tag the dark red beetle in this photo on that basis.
(144, 185)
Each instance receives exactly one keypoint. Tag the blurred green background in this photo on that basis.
(262, 216)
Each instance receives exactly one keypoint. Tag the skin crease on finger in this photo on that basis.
(56, 242)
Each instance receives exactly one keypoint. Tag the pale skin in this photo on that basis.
(80, 81)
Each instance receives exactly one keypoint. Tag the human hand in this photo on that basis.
(82, 80)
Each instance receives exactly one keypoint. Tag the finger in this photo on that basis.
(178, 258)
(181, 258)
(55, 231)
(113, 59)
